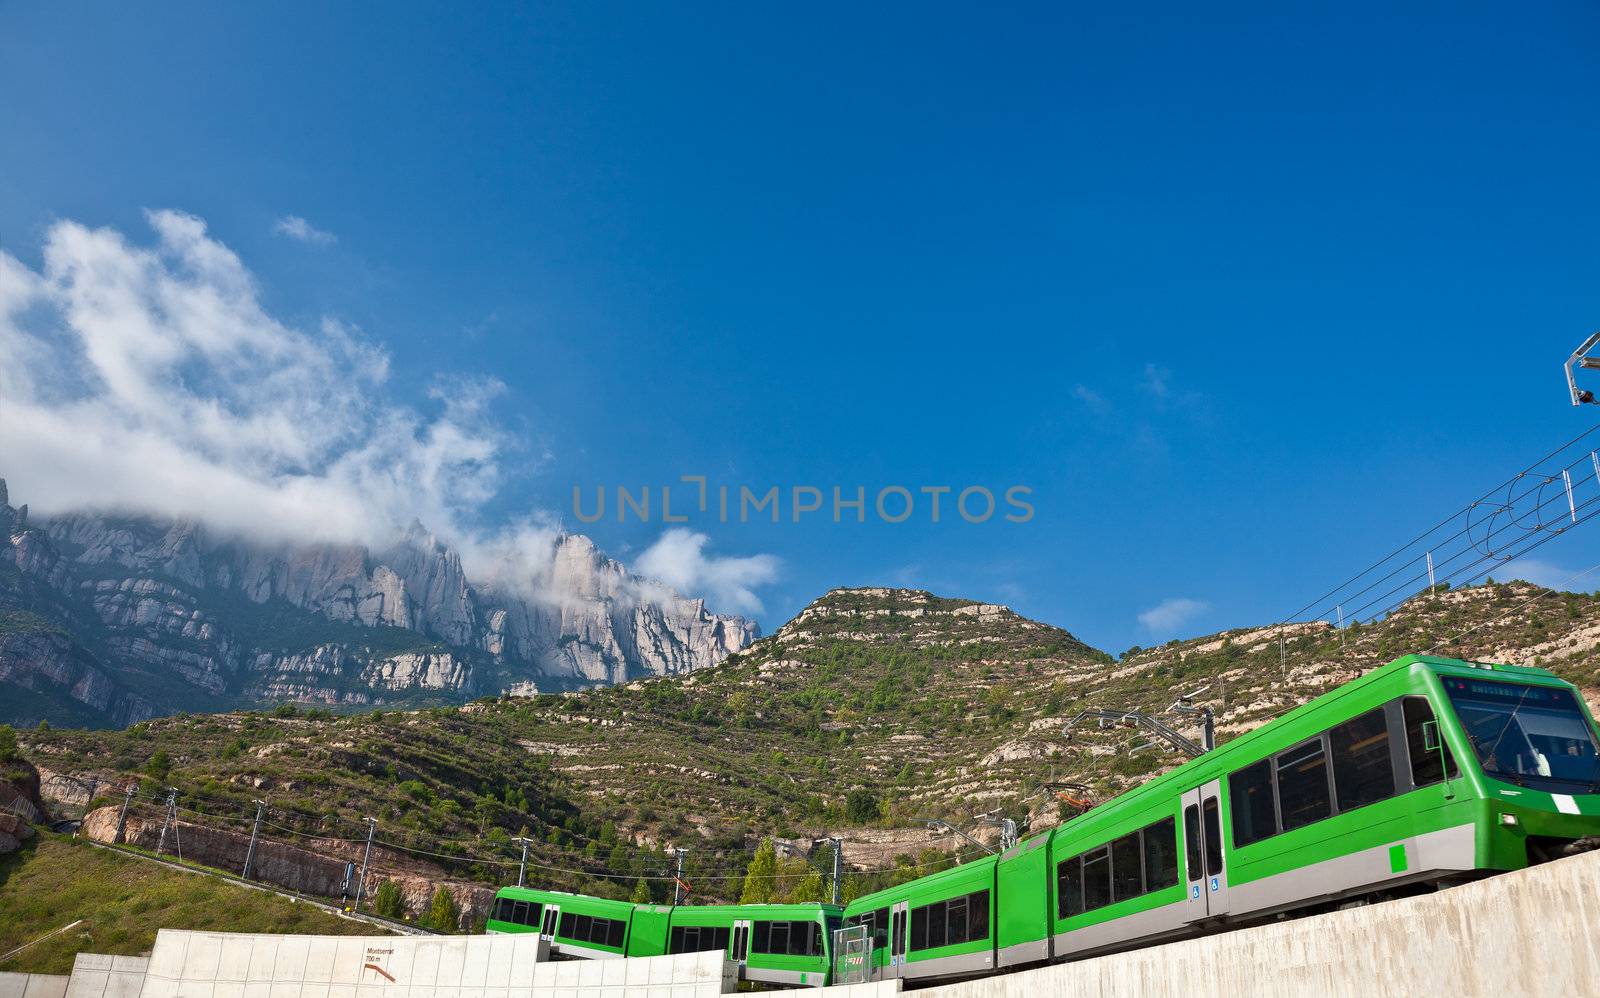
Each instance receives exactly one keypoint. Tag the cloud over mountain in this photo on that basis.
(151, 378)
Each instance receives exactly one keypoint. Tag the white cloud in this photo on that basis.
(1157, 381)
(296, 227)
(1170, 614)
(1546, 574)
(678, 559)
(150, 379)
(1091, 398)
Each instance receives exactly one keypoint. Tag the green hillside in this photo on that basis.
(871, 710)
(53, 881)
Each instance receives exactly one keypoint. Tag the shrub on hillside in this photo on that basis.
(442, 913)
(389, 902)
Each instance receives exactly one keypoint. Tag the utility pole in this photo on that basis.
(172, 813)
(677, 878)
(255, 830)
(838, 865)
(361, 888)
(122, 819)
(522, 868)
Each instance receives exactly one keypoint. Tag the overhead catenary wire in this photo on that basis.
(1508, 483)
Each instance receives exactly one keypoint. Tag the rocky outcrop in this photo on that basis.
(226, 620)
(13, 832)
(49, 661)
(317, 868)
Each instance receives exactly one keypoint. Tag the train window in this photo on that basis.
(1425, 749)
(1127, 868)
(1362, 773)
(880, 928)
(1208, 810)
(1250, 793)
(1096, 879)
(1191, 839)
(955, 921)
(1303, 785)
(698, 938)
(1160, 855)
(934, 913)
(761, 937)
(778, 938)
(1069, 887)
(919, 928)
(614, 932)
(978, 915)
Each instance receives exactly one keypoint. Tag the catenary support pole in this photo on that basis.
(122, 819)
(677, 878)
(255, 831)
(361, 887)
(838, 866)
(522, 867)
(172, 809)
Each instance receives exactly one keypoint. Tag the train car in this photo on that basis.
(941, 925)
(576, 926)
(773, 943)
(1422, 773)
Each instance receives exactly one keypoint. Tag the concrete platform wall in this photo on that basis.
(32, 985)
(187, 964)
(95, 975)
(1534, 932)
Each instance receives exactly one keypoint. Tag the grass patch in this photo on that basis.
(53, 880)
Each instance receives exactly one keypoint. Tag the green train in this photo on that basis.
(1422, 773)
(772, 943)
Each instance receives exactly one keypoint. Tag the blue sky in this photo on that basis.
(1243, 295)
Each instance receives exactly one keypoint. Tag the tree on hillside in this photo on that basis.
(442, 914)
(861, 806)
(389, 902)
(641, 892)
(759, 877)
(8, 743)
(808, 889)
(159, 765)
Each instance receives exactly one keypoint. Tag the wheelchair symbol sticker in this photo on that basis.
(1213, 885)
(1196, 890)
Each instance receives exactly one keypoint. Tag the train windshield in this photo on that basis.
(1533, 736)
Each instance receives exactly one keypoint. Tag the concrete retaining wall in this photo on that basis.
(32, 985)
(95, 975)
(1534, 932)
(187, 964)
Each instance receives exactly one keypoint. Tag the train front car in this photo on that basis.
(1529, 750)
(1422, 773)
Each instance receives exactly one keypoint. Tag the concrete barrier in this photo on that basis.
(96, 975)
(32, 985)
(1533, 932)
(187, 964)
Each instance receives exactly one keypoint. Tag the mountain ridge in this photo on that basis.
(129, 617)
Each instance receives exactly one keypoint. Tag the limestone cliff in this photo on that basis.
(114, 618)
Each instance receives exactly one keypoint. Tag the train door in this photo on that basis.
(739, 945)
(1204, 861)
(899, 916)
(552, 919)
